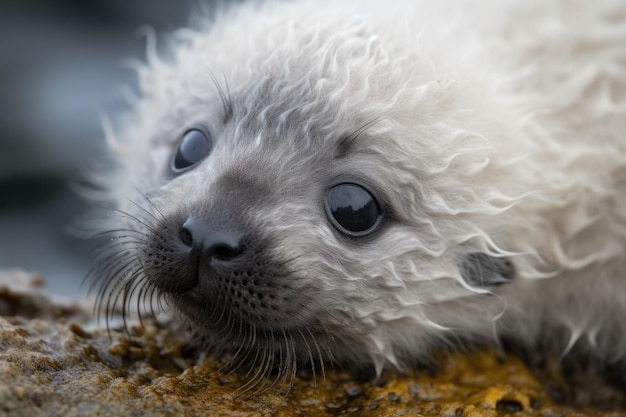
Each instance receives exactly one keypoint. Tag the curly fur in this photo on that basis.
(494, 127)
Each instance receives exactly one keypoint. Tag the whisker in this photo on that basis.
(142, 221)
(346, 142)
(154, 206)
(319, 353)
(310, 354)
(293, 367)
(225, 97)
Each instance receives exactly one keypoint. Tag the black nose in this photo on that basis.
(215, 241)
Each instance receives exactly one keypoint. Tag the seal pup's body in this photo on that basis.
(487, 139)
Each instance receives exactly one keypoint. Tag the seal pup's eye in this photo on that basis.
(193, 147)
(352, 209)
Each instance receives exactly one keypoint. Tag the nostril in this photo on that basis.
(186, 237)
(224, 252)
(214, 241)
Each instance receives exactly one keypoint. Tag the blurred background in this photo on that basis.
(60, 65)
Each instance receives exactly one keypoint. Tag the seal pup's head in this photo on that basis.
(307, 186)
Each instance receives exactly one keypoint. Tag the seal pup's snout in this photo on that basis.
(216, 267)
(210, 247)
(206, 249)
(212, 243)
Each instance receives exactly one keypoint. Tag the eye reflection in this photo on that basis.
(194, 146)
(352, 209)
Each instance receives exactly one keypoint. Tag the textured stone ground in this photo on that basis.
(55, 362)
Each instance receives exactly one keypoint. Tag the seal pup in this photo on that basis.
(306, 183)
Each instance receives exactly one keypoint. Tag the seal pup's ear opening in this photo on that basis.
(479, 269)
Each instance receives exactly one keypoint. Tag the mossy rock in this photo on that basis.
(54, 361)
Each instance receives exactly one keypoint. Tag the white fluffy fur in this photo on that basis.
(501, 129)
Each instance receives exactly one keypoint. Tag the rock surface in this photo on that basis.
(54, 361)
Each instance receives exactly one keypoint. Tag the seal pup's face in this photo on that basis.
(303, 195)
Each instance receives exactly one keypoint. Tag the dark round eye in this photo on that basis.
(352, 209)
(193, 147)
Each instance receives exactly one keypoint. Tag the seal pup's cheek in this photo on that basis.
(479, 269)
